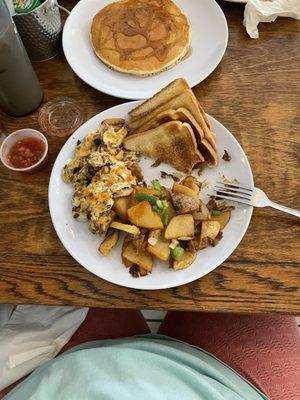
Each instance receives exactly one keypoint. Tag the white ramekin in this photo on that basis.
(14, 137)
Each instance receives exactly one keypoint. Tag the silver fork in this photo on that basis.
(253, 197)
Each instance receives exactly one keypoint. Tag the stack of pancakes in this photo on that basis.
(140, 37)
(173, 128)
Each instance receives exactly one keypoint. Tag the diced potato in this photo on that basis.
(121, 206)
(210, 229)
(127, 239)
(178, 188)
(126, 262)
(140, 242)
(143, 215)
(203, 214)
(160, 247)
(184, 204)
(223, 218)
(143, 272)
(133, 230)
(192, 183)
(180, 226)
(141, 258)
(109, 243)
(198, 243)
(153, 236)
(187, 259)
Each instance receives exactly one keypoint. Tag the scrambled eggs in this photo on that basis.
(100, 171)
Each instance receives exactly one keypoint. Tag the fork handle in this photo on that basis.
(284, 209)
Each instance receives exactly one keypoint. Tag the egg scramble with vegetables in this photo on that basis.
(100, 171)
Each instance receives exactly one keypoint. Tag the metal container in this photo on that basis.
(40, 30)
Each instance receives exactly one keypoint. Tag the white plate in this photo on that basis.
(83, 245)
(209, 41)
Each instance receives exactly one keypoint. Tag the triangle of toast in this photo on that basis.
(181, 114)
(173, 142)
(185, 99)
(171, 90)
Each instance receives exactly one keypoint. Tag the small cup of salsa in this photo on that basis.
(25, 150)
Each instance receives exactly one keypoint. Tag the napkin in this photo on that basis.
(33, 335)
(257, 11)
(5, 313)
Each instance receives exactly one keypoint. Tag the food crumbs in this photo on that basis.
(134, 271)
(230, 182)
(226, 156)
(156, 163)
(164, 175)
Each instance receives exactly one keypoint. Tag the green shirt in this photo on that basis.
(143, 367)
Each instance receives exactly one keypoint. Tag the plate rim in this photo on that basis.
(115, 91)
(133, 286)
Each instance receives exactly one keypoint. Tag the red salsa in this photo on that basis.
(26, 152)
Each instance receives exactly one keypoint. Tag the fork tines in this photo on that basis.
(233, 192)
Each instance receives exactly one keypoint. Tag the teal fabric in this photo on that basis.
(142, 367)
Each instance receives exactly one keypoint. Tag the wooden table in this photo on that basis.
(254, 92)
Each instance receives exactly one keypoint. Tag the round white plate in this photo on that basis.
(83, 245)
(209, 41)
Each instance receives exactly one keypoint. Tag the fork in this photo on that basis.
(253, 197)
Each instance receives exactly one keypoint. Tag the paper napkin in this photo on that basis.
(257, 11)
(33, 335)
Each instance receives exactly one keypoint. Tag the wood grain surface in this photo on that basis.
(254, 92)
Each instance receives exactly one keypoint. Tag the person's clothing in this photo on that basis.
(211, 336)
(265, 349)
(102, 323)
(108, 323)
(150, 367)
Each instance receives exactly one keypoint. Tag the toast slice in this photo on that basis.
(209, 153)
(172, 90)
(173, 143)
(187, 100)
(208, 124)
(184, 99)
(181, 114)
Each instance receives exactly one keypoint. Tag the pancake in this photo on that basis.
(140, 37)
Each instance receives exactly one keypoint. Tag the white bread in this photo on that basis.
(185, 99)
(171, 90)
(173, 143)
(181, 114)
